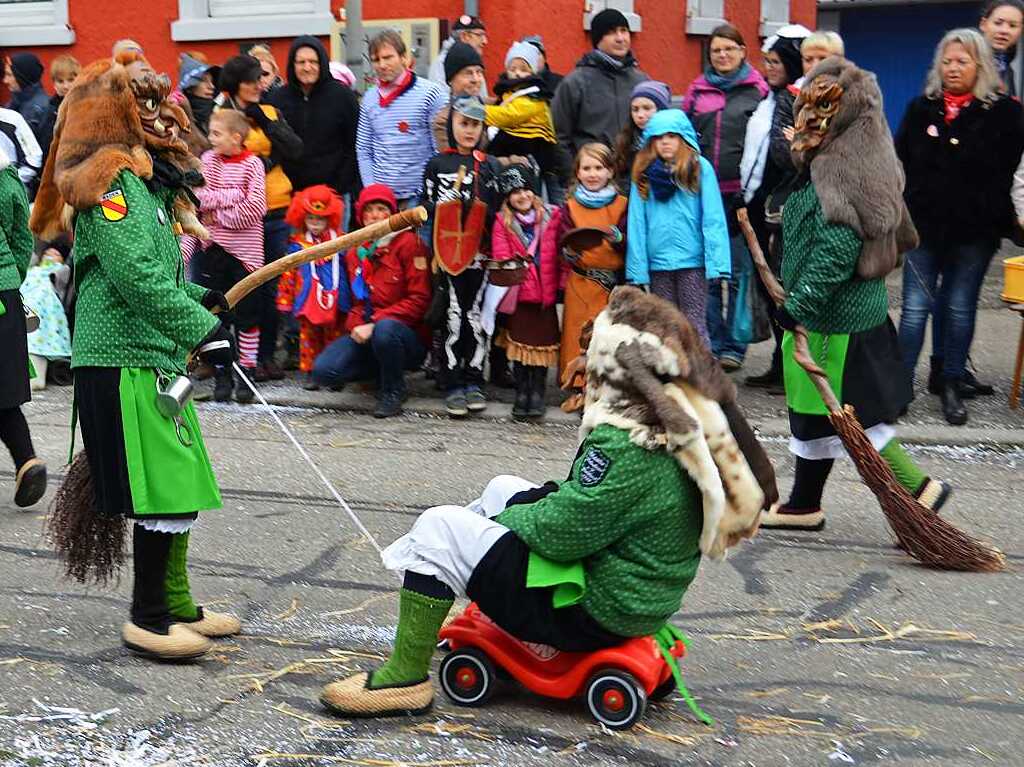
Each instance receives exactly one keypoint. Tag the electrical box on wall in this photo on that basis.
(422, 36)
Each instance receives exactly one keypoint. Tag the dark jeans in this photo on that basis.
(720, 327)
(275, 243)
(392, 349)
(944, 283)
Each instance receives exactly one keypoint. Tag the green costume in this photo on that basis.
(16, 242)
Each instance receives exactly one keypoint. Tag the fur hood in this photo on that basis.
(842, 131)
(649, 374)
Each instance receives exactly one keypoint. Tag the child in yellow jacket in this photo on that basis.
(522, 119)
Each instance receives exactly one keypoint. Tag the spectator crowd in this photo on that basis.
(543, 192)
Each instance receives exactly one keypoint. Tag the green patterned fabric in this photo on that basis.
(15, 237)
(176, 586)
(633, 517)
(135, 307)
(819, 266)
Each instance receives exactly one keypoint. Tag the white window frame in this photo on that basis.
(594, 7)
(195, 22)
(44, 22)
(774, 16)
(702, 16)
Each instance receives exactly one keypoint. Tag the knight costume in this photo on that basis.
(606, 554)
(118, 175)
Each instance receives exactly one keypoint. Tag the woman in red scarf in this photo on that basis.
(960, 143)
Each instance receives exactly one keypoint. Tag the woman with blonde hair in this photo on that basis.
(270, 74)
(960, 142)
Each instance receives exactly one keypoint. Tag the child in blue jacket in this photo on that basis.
(678, 237)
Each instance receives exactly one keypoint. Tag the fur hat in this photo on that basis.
(841, 132)
(319, 200)
(375, 193)
(648, 373)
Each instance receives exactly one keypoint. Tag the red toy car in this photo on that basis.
(615, 682)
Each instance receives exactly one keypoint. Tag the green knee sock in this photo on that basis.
(419, 619)
(907, 472)
(176, 589)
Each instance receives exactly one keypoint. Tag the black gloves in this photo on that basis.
(532, 495)
(218, 348)
(214, 299)
(257, 115)
(786, 320)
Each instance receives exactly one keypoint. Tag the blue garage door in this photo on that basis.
(897, 44)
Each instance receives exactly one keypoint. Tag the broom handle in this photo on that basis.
(801, 350)
(407, 219)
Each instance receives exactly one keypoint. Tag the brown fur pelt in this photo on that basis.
(99, 132)
(649, 373)
(842, 132)
(91, 545)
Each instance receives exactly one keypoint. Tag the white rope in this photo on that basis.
(327, 483)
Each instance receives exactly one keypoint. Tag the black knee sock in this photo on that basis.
(149, 598)
(809, 483)
(15, 435)
(427, 585)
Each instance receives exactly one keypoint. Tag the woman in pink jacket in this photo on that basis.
(524, 250)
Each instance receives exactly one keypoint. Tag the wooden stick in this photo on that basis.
(775, 289)
(407, 219)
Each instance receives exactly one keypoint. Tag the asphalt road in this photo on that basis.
(929, 668)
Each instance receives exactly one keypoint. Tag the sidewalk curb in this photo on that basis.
(770, 428)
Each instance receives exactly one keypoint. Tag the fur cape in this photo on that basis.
(649, 373)
(853, 164)
(98, 133)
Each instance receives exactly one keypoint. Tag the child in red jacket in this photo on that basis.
(526, 233)
(316, 293)
(389, 280)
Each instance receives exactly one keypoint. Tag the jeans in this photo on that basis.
(944, 283)
(720, 329)
(392, 349)
(275, 242)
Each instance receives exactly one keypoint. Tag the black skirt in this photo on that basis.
(14, 386)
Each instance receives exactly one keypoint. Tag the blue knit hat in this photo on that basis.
(655, 90)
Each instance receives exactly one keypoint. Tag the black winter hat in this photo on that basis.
(465, 22)
(26, 68)
(238, 70)
(517, 176)
(605, 22)
(460, 56)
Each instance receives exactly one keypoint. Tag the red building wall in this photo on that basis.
(664, 50)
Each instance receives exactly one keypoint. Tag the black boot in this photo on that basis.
(538, 383)
(224, 386)
(935, 376)
(499, 369)
(771, 378)
(952, 403)
(521, 406)
(970, 386)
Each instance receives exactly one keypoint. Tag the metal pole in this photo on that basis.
(354, 41)
(471, 7)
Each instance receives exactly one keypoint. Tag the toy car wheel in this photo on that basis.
(468, 677)
(663, 690)
(615, 699)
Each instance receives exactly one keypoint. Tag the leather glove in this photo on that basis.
(257, 115)
(218, 348)
(786, 320)
(214, 299)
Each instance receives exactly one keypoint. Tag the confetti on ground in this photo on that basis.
(294, 608)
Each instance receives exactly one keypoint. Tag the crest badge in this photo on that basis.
(113, 205)
(594, 468)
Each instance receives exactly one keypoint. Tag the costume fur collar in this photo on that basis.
(855, 171)
(649, 374)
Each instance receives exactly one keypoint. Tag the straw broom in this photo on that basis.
(920, 531)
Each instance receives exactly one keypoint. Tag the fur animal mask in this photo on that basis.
(100, 131)
(649, 373)
(842, 134)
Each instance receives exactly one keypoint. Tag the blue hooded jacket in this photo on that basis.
(687, 231)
